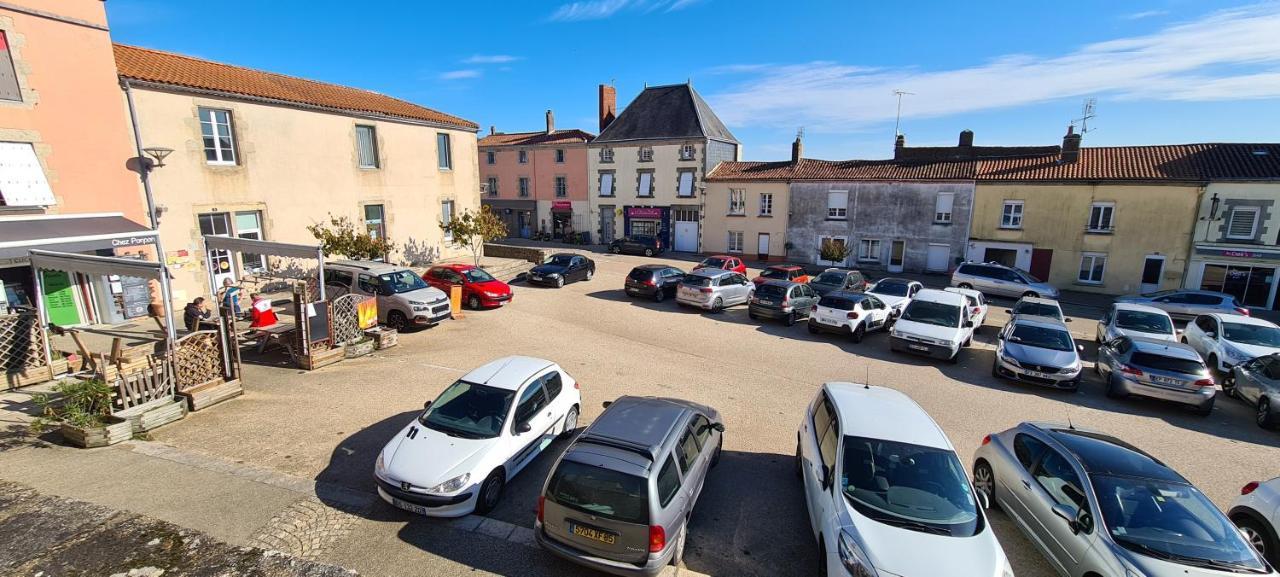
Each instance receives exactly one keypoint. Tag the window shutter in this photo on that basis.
(606, 184)
(837, 200)
(1241, 225)
(943, 211)
(646, 183)
(22, 180)
(686, 183)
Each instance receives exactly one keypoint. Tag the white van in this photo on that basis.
(936, 323)
(404, 299)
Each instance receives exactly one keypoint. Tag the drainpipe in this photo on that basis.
(144, 172)
(1191, 241)
(968, 226)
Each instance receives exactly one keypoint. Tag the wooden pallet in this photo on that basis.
(100, 437)
(28, 376)
(319, 359)
(383, 337)
(155, 413)
(203, 396)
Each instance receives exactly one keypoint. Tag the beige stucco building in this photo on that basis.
(747, 217)
(260, 155)
(1237, 230)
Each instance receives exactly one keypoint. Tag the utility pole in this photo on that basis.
(897, 121)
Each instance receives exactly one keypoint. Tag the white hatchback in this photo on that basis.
(1225, 341)
(978, 306)
(886, 492)
(1135, 320)
(1257, 513)
(850, 313)
(456, 457)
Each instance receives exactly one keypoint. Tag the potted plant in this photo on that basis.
(82, 411)
(359, 348)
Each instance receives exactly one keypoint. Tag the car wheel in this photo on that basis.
(717, 305)
(1213, 364)
(1113, 390)
(490, 493)
(984, 481)
(659, 294)
(1097, 368)
(791, 319)
(474, 302)
(964, 285)
(648, 252)
(995, 368)
(570, 422)
(590, 273)
(1260, 537)
(1184, 341)
(858, 333)
(397, 320)
(615, 249)
(1229, 384)
(1031, 294)
(1265, 415)
(560, 282)
(955, 359)
(1205, 409)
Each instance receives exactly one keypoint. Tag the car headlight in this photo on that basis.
(452, 485)
(379, 467)
(852, 557)
(418, 303)
(491, 294)
(552, 274)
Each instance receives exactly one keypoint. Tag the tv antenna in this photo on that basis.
(1087, 113)
(898, 119)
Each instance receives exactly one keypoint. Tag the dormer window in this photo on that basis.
(606, 155)
(646, 154)
(688, 152)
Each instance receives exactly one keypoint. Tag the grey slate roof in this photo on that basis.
(672, 111)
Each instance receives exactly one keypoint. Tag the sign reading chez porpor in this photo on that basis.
(133, 241)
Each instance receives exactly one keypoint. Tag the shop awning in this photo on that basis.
(68, 233)
(252, 246)
(89, 264)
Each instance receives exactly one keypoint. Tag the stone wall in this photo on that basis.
(533, 255)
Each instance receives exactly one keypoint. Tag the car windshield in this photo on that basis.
(1171, 521)
(469, 410)
(1163, 363)
(932, 313)
(694, 280)
(1260, 335)
(600, 491)
(775, 273)
(712, 263)
(560, 260)
(771, 291)
(891, 288)
(402, 281)
(909, 486)
(1041, 337)
(477, 275)
(838, 303)
(1145, 322)
(1038, 310)
(640, 274)
(830, 277)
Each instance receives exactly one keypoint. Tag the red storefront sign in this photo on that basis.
(561, 205)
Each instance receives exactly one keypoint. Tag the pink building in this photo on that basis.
(537, 181)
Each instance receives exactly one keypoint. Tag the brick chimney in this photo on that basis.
(899, 143)
(797, 150)
(608, 105)
(551, 122)
(966, 138)
(1070, 145)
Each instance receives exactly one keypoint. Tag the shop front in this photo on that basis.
(520, 216)
(562, 219)
(1249, 274)
(649, 221)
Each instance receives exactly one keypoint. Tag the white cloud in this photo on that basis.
(460, 74)
(1144, 14)
(1217, 57)
(601, 9)
(491, 59)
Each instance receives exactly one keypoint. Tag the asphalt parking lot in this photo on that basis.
(330, 424)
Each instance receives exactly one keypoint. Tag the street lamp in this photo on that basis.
(159, 153)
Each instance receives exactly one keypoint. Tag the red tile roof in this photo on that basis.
(158, 67)
(810, 169)
(1178, 162)
(570, 136)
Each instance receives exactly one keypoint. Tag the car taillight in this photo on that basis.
(577, 385)
(986, 440)
(705, 290)
(650, 283)
(657, 538)
(976, 310)
(852, 315)
(1128, 370)
(541, 503)
(1249, 487)
(1204, 383)
(1243, 311)
(786, 302)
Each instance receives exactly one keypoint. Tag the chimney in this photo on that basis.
(608, 105)
(899, 143)
(551, 122)
(493, 130)
(797, 150)
(966, 138)
(1070, 145)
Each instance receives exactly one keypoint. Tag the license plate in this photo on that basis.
(606, 537)
(767, 302)
(828, 321)
(1038, 375)
(633, 290)
(1166, 380)
(918, 348)
(419, 509)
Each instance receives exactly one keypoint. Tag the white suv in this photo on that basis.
(936, 324)
(1224, 340)
(404, 299)
(885, 491)
(850, 313)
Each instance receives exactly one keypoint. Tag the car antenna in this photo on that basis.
(866, 382)
(1069, 423)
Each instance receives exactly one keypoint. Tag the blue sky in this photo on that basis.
(1164, 71)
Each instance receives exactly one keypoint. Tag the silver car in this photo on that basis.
(620, 497)
(1157, 369)
(1257, 382)
(999, 280)
(1188, 304)
(1095, 505)
(714, 289)
(1038, 350)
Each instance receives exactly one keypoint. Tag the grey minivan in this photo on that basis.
(620, 497)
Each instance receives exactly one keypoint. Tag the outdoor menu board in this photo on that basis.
(136, 294)
(317, 321)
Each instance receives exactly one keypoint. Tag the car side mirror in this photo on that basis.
(1068, 514)
(718, 426)
(1211, 335)
(606, 404)
(426, 405)
(1079, 348)
(523, 428)
(968, 324)
(1009, 311)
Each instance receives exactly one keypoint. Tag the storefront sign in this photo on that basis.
(1237, 253)
(133, 241)
(561, 205)
(643, 212)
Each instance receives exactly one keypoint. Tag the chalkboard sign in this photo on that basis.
(137, 295)
(317, 321)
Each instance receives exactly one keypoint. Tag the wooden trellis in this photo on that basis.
(197, 359)
(22, 342)
(346, 318)
(150, 385)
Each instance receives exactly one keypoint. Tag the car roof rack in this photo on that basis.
(641, 449)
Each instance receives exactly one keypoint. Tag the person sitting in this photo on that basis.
(230, 297)
(194, 313)
(261, 316)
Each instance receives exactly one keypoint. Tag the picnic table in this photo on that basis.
(280, 334)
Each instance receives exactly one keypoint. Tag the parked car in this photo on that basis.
(714, 289)
(637, 244)
(1224, 340)
(723, 262)
(1158, 369)
(456, 457)
(850, 313)
(935, 323)
(787, 272)
(999, 280)
(838, 279)
(562, 268)
(780, 299)
(1135, 320)
(1184, 304)
(479, 288)
(404, 299)
(1257, 513)
(653, 281)
(895, 292)
(1257, 382)
(1037, 307)
(978, 307)
(885, 491)
(1096, 505)
(1038, 350)
(620, 497)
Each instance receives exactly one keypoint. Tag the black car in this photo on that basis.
(562, 268)
(838, 279)
(654, 281)
(637, 244)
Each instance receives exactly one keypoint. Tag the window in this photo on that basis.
(9, 89)
(493, 186)
(1028, 450)
(735, 241)
(737, 201)
(373, 224)
(645, 187)
(688, 152)
(249, 225)
(1056, 476)
(1100, 217)
(942, 207)
(366, 146)
(562, 187)
(444, 151)
(838, 204)
(446, 217)
(524, 186)
(701, 429)
(668, 482)
(687, 450)
(1011, 216)
(606, 184)
(491, 157)
(827, 440)
(685, 187)
(554, 384)
(644, 228)
(559, 156)
(606, 155)
(766, 204)
(219, 144)
(869, 249)
(339, 278)
(1092, 267)
(532, 400)
(522, 157)
(646, 153)
(1242, 223)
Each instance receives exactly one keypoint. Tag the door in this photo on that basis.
(898, 254)
(1152, 270)
(218, 224)
(1041, 263)
(368, 285)
(1004, 256)
(532, 409)
(938, 258)
(62, 304)
(1058, 483)
(606, 224)
(686, 231)
(809, 298)
(876, 311)
(838, 241)
(762, 246)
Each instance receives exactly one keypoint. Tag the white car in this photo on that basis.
(935, 323)
(455, 458)
(885, 491)
(1135, 320)
(895, 292)
(1257, 513)
(850, 313)
(1225, 341)
(978, 307)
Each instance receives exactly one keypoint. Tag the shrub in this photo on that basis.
(83, 404)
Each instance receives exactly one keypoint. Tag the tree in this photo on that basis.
(339, 237)
(833, 250)
(473, 229)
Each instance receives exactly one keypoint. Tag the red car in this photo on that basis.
(790, 272)
(723, 261)
(479, 288)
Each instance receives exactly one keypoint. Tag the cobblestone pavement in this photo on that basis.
(305, 529)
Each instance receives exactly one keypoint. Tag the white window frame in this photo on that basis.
(606, 155)
(1102, 208)
(766, 204)
(1253, 228)
(372, 153)
(840, 212)
(873, 248)
(688, 152)
(254, 233)
(740, 240)
(941, 216)
(222, 158)
(607, 190)
(1010, 220)
(562, 186)
(737, 201)
(444, 151)
(818, 249)
(684, 184)
(522, 189)
(1092, 257)
(446, 217)
(646, 154)
(643, 191)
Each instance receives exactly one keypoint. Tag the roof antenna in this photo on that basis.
(866, 383)
(1069, 423)
(1086, 114)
